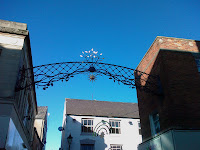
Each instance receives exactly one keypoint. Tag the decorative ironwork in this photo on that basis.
(102, 128)
(46, 75)
(91, 56)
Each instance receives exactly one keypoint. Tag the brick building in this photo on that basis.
(173, 113)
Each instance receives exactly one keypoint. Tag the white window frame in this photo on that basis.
(115, 126)
(115, 147)
(154, 123)
(83, 124)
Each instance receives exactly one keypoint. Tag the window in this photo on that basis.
(87, 146)
(0, 51)
(115, 147)
(115, 127)
(87, 125)
(139, 127)
(155, 123)
(197, 60)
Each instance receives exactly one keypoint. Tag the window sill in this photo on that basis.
(115, 134)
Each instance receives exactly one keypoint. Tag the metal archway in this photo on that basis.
(46, 75)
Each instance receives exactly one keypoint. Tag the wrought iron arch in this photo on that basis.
(46, 75)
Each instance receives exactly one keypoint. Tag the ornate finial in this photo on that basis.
(91, 56)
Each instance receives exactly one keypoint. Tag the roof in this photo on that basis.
(13, 27)
(101, 108)
(42, 111)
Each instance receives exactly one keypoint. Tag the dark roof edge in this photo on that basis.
(98, 101)
(103, 116)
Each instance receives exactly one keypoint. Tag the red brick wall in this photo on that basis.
(180, 103)
(166, 43)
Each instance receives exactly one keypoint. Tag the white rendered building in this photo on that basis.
(100, 125)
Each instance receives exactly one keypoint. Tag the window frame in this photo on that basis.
(197, 60)
(87, 126)
(114, 128)
(139, 128)
(154, 123)
(116, 148)
(87, 145)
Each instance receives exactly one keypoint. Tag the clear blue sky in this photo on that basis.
(122, 30)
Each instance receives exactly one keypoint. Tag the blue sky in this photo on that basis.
(122, 30)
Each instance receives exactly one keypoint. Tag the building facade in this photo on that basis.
(40, 128)
(170, 113)
(99, 125)
(18, 105)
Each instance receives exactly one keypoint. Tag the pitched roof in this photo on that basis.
(101, 108)
(42, 111)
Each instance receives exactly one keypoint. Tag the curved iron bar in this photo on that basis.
(46, 75)
(100, 125)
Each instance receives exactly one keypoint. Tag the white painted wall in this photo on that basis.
(39, 125)
(7, 113)
(14, 140)
(11, 46)
(129, 136)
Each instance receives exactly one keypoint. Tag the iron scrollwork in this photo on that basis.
(46, 75)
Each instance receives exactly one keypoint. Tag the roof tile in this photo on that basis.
(101, 108)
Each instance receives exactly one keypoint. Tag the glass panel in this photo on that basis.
(140, 132)
(89, 122)
(139, 125)
(89, 129)
(84, 129)
(117, 131)
(112, 130)
(117, 124)
(113, 124)
(87, 147)
(85, 122)
(156, 117)
(155, 123)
